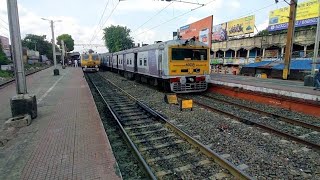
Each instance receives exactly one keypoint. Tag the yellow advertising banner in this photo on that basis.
(305, 10)
(241, 26)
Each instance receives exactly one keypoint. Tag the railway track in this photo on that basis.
(293, 129)
(165, 151)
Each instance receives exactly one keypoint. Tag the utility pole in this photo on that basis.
(290, 36)
(15, 38)
(56, 70)
(63, 52)
(22, 104)
(316, 44)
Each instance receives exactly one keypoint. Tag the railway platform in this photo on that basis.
(284, 93)
(66, 140)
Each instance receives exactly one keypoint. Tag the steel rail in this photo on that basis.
(2, 85)
(208, 152)
(127, 138)
(250, 122)
(278, 116)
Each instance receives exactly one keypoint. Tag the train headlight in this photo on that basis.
(183, 80)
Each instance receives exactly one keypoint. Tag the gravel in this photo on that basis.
(276, 110)
(266, 155)
(256, 117)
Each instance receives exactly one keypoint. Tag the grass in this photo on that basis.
(6, 74)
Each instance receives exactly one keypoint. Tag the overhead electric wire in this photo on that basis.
(174, 18)
(104, 10)
(4, 27)
(4, 21)
(154, 16)
(200, 7)
(95, 35)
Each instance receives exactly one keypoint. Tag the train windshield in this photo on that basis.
(95, 57)
(189, 54)
(85, 56)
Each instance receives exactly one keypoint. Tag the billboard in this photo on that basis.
(204, 36)
(241, 26)
(307, 13)
(199, 28)
(219, 32)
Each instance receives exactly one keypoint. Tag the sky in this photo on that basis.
(148, 20)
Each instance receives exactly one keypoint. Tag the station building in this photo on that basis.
(229, 56)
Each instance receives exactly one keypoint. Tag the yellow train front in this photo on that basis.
(90, 62)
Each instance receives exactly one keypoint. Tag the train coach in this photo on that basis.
(181, 66)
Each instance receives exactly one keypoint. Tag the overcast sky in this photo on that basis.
(80, 18)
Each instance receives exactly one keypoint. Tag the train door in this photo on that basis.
(160, 62)
(135, 62)
(117, 60)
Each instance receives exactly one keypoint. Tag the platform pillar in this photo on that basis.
(263, 52)
(305, 51)
(282, 52)
(248, 53)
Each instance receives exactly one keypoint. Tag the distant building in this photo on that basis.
(4, 43)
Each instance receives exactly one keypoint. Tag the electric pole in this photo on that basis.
(316, 44)
(290, 36)
(22, 104)
(54, 51)
(56, 70)
(15, 38)
(63, 52)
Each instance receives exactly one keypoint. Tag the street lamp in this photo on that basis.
(55, 71)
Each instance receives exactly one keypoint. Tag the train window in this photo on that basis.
(130, 61)
(95, 57)
(140, 60)
(85, 57)
(189, 54)
(145, 61)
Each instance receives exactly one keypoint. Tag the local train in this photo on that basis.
(180, 66)
(90, 62)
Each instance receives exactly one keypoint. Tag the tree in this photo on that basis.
(3, 57)
(117, 38)
(68, 41)
(35, 42)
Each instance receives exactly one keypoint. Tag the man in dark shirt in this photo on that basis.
(317, 81)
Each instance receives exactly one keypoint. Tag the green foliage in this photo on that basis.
(6, 74)
(117, 38)
(3, 58)
(32, 41)
(263, 32)
(68, 41)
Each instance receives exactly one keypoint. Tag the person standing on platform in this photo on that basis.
(75, 63)
(317, 81)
